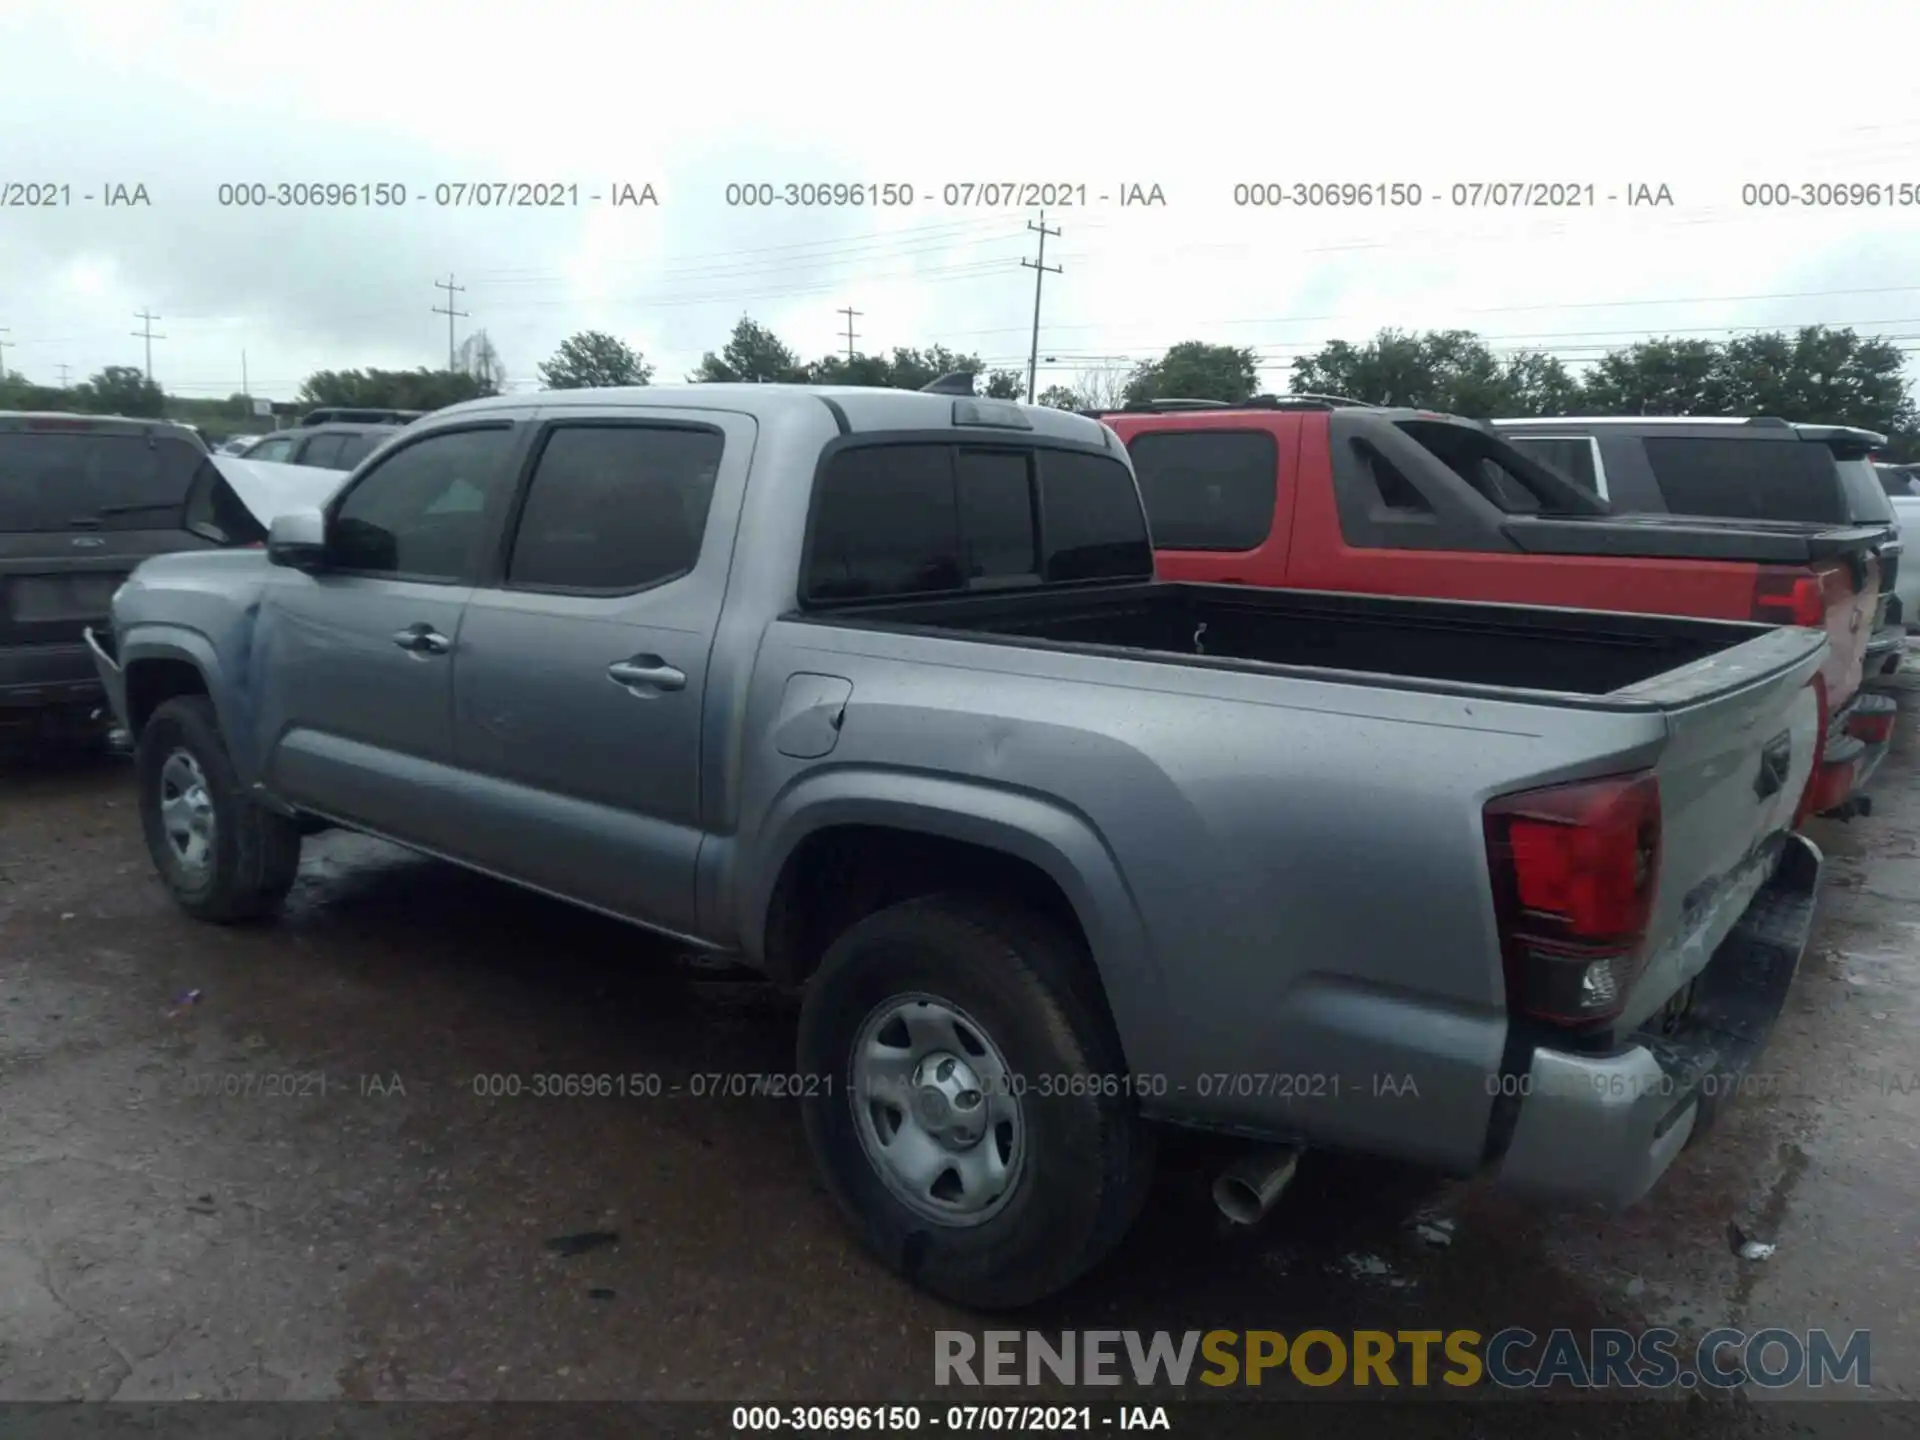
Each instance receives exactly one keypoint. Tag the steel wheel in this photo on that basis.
(186, 812)
(936, 1109)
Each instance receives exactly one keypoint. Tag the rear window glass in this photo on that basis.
(1571, 455)
(897, 520)
(1207, 489)
(1745, 479)
(1095, 528)
(885, 524)
(77, 481)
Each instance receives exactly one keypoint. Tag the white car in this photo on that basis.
(1902, 484)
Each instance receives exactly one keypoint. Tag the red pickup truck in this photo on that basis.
(1318, 493)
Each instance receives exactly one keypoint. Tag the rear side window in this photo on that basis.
(1867, 503)
(897, 520)
(1571, 455)
(77, 481)
(355, 448)
(323, 452)
(1208, 489)
(1745, 479)
(615, 507)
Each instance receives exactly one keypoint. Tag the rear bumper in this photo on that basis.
(1604, 1128)
(35, 676)
(107, 674)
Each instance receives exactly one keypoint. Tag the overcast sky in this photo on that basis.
(184, 97)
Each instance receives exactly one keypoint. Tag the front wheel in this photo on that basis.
(971, 1116)
(220, 855)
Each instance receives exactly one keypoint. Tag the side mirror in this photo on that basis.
(298, 540)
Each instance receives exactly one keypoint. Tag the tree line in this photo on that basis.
(1816, 373)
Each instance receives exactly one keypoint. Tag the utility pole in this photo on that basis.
(1040, 268)
(245, 393)
(451, 289)
(147, 335)
(850, 312)
(4, 330)
(63, 375)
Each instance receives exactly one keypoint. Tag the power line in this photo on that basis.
(1040, 268)
(850, 313)
(146, 333)
(449, 312)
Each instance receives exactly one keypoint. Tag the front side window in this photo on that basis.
(615, 507)
(421, 513)
(277, 449)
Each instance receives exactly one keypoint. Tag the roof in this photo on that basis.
(115, 424)
(860, 407)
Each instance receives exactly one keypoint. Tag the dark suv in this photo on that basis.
(84, 499)
(1750, 469)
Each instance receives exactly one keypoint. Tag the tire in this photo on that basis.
(1019, 982)
(248, 864)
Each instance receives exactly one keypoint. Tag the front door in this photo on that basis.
(356, 661)
(578, 695)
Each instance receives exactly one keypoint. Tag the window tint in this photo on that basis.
(80, 481)
(1207, 489)
(1571, 455)
(1746, 479)
(421, 512)
(214, 511)
(1095, 528)
(615, 507)
(276, 449)
(323, 452)
(355, 448)
(1867, 503)
(996, 513)
(1499, 473)
(885, 523)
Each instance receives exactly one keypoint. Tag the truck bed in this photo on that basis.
(1601, 659)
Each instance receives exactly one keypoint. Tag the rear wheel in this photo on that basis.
(220, 855)
(969, 1110)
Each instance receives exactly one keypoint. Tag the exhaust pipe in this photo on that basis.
(1247, 1189)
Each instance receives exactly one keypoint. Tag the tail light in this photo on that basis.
(1875, 727)
(1810, 797)
(1574, 870)
(1788, 597)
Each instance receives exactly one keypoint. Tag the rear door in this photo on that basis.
(78, 510)
(583, 663)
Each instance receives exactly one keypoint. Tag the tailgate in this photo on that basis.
(53, 586)
(1732, 774)
(1855, 606)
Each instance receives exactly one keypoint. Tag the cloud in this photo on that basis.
(189, 98)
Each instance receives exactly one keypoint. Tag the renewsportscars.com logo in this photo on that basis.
(1510, 1359)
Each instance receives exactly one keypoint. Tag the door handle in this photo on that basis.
(648, 671)
(422, 639)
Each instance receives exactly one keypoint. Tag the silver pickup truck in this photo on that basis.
(877, 692)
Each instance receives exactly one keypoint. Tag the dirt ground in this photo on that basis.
(260, 1164)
